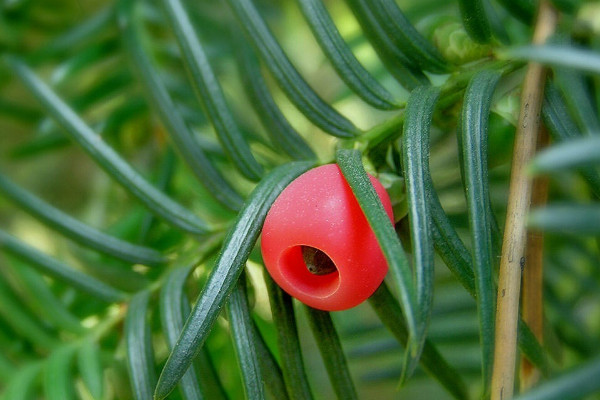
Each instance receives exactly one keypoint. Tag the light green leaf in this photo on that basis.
(56, 269)
(105, 156)
(76, 230)
(58, 374)
(90, 368)
(574, 384)
(556, 55)
(583, 219)
(572, 154)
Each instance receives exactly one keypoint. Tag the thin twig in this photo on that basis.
(515, 232)
(532, 299)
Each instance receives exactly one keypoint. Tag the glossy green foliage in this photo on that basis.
(142, 144)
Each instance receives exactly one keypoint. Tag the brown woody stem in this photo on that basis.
(515, 232)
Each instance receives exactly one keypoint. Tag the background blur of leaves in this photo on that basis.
(76, 47)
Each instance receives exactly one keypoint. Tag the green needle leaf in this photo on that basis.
(36, 293)
(105, 156)
(576, 94)
(172, 312)
(395, 61)
(556, 55)
(76, 230)
(276, 124)
(179, 132)
(331, 350)
(342, 58)
(575, 384)
(208, 91)
(572, 154)
(23, 382)
(582, 219)
(456, 256)
(386, 307)
(272, 373)
(288, 342)
(90, 368)
(244, 341)
(475, 20)
(23, 322)
(140, 355)
(294, 86)
(236, 249)
(58, 376)
(56, 269)
(415, 156)
(562, 128)
(352, 169)
(475, 114)
(406, 38)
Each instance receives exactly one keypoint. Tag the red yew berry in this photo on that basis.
(317, 244)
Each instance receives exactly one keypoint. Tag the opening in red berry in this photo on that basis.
(317, 244)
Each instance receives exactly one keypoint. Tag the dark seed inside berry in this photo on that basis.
(317, 262)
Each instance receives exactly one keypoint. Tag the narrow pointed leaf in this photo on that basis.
(458, 259)
(352, 169)
(23, 383)
(395, 61)
(276, 124)
(172, 313)
(556, 55)
(299, 92)
(288, 342)
(57, 270)
(578, 98)
(58, 374)
(475, 20)
(524, 10)
(39, 297)
(271, 370)
(415, 157)
(80, 33)
(386, 307)
(573, 154)
(209, 92)
(448, 244)
(6, 368)
(179, 132)
(475, 114)
(332, 353)
(244, 341)
(140, 355)
(574, 384)
(76, 230)
(89, 364)
(342, 58)
(406, 38)
(562, 128)
(22, 322)
(105, 156)
(236, 249)
(582, 219)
